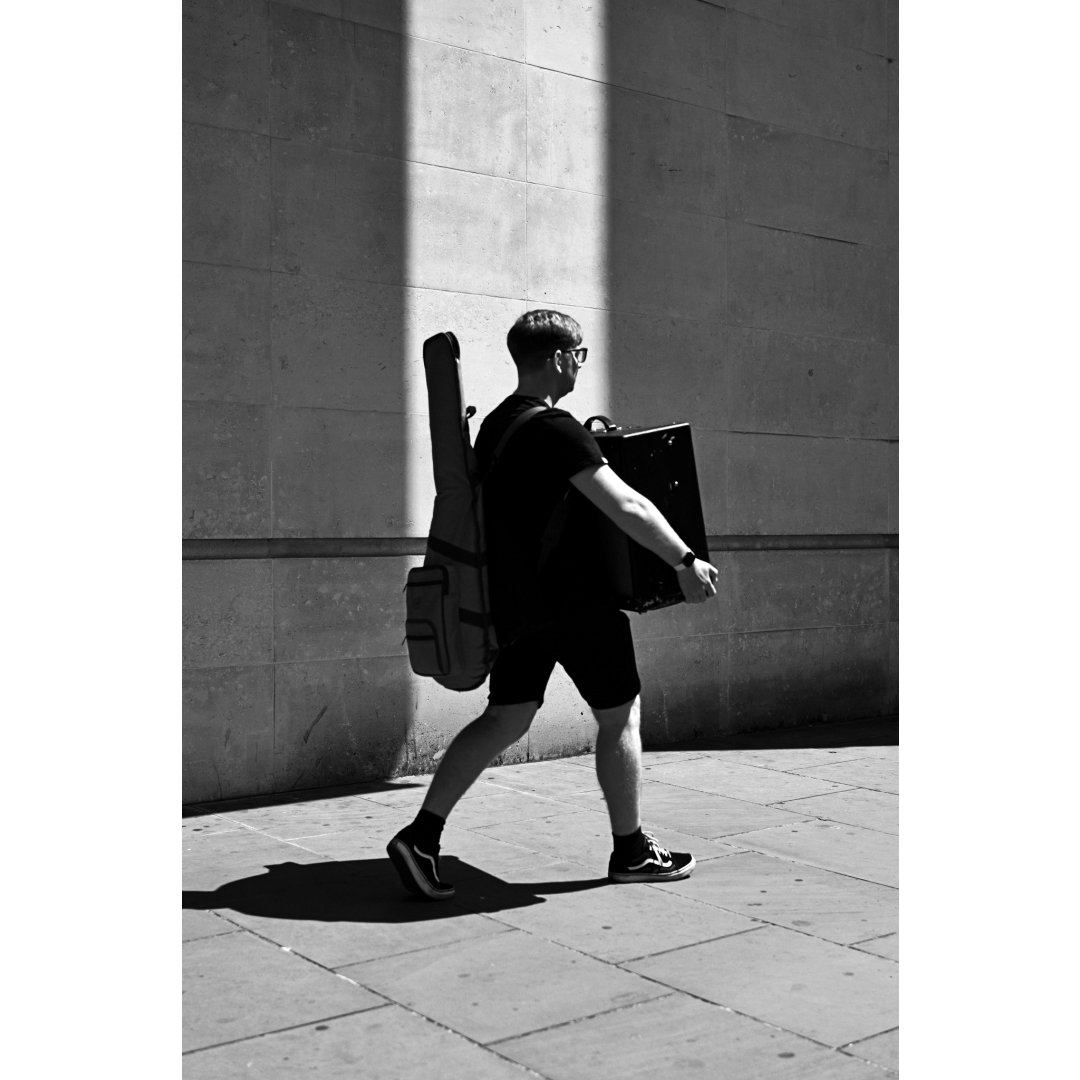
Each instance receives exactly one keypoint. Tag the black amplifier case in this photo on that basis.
(659, 463)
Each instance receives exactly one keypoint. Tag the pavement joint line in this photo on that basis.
(486, 1047)
(855, 1042)
(581, 1019)
(878, 937)
(867, 828)
(779, 804)
(302, 956)
(887, 1072)
(689, 945)
(290, 1027)
(817, 866)
(763, 922)
(656, 885)
(735, 1012)
(408, 952)
(721, 795)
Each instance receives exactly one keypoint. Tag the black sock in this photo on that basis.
(626, 847)
(426, 831)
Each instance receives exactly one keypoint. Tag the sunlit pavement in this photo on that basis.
(778, 957)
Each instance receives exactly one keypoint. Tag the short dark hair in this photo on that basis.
(537, 334)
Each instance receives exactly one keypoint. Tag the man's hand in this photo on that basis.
(698, 582)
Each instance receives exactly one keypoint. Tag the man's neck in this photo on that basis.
(537, 388)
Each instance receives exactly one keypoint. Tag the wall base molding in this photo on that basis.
(380, 547)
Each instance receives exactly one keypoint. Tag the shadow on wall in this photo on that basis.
(665, 275)
(750, 190)
(295, 267)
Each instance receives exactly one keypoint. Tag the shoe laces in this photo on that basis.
(655, 847)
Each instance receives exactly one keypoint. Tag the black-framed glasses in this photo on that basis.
(579, 354)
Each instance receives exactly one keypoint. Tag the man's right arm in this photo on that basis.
(639, 518)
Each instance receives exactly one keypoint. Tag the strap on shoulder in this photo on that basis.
(518, 420)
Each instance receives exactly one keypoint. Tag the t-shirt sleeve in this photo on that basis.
(568, 446)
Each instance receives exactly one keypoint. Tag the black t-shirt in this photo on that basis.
(521, 493)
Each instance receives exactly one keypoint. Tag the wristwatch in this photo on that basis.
(686, 561)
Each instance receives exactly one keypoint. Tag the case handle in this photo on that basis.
(605, 420)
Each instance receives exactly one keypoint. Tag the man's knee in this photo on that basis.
(513, 720)
(620, 717)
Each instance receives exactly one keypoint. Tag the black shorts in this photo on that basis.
(595, 649)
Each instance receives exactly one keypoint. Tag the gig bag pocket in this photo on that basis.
(430, 618)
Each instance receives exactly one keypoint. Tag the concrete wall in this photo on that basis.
(710, 189)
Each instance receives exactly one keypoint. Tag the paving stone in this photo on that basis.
(343, 912)
(298, 820)
(887, 946)
(409, 792)
(390, 925)
(541, 777)
(355, 843)
(827, 992)
(679, 1036)
(503, 985)
(505, 808)
(585, 838)
(794, 758)
(846, 849)
(661, 757)
(403, 1045)
(801, 897)
(729, 778)
(237, 986)
(204, 924)
(883, 1049)
(211, 862)
(868, 809)
(473, 852)
(696, 813)
(207, 825)
(616, 922)
(879, 773)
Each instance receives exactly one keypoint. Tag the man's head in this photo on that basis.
(545, 348)
(538, 335)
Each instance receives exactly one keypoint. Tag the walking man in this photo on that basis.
(549, 607)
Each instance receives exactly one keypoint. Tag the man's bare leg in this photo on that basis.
(473, 750)
(636, 856)
(415, 850)
(618, 764)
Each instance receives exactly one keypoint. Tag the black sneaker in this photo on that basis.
(418, 870)
(653, 864)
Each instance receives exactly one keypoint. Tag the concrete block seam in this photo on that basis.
(798, 30)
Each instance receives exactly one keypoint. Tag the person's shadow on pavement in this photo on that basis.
(369, 890)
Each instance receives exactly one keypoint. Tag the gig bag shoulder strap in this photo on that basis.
(518, 420)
